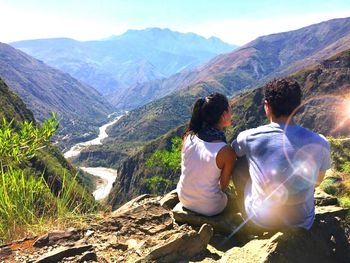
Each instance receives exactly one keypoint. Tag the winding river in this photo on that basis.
(106, 176)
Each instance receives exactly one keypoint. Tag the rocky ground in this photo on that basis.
(147, 230)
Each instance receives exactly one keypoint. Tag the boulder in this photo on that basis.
(181, 246)
(223, 223)
(325, 242)
(323, 199)
(330, 211)
(63, 252)
(57, 237)
(169, 200)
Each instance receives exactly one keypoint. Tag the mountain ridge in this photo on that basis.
(108, 65)
(256, 62)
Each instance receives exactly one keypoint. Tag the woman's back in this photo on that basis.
(199, 187)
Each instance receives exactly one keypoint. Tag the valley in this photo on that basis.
(116, 101)
(104, 177)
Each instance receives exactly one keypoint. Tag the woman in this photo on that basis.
(207, 160)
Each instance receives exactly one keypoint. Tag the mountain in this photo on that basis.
(248, 66)
(324, 87)
(12, 107)
(49, 161)
(244, 68)
(44, 90)
(119, 61)
(258, 61)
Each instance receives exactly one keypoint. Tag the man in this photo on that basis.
(285, 161)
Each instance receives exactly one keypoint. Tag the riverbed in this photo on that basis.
(106, 175)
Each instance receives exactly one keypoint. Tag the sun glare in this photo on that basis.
(348, 106)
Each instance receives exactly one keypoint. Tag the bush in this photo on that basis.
(157, 184)
(169, 162)
(329, 186)
(26, 200)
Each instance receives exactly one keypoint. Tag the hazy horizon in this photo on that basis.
(233, 22)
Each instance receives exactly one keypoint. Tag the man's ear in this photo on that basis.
(267, 108)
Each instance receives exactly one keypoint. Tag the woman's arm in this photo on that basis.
(225, 161)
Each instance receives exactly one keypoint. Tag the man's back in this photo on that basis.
(284, 164)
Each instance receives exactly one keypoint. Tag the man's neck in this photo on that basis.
(281, 119)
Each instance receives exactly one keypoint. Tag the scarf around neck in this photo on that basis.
(210, 134)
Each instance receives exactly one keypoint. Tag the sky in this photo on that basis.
(235, 22)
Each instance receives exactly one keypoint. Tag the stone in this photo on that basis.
(5, 251)
(89, 233)
(169, 200)
(131, 204)
(181, 246)
(63, 252)
(145, 231)
(87, 256)
(324, 199)
(221, 223)
(330, 211)
(57, 237)
(296, 245)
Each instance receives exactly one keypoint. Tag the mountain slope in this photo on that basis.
(325, 86)
(133, 57)
(45, 90)
(49, 161)
(256, 62)
(12, 107)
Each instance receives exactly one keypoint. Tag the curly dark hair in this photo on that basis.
(283, 95)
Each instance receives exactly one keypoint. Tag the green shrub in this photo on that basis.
(26, 200)
(329, 186)
(167, 159)
(169, 162)
(156, 183)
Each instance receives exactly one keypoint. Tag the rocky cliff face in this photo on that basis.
(144, 230)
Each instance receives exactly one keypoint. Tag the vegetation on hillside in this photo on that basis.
(170, 163)
(29, 202)
(338, 182)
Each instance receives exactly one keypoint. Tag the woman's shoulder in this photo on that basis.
(227, 153)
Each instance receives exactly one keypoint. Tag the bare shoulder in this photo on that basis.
(226, 157)
(227, 153)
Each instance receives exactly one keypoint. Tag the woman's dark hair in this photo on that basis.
(206, 111)
(283, 95)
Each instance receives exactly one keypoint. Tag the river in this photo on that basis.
(107, 175)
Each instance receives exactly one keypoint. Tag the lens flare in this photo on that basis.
(335, 107)
(348, 107)
(296, 188)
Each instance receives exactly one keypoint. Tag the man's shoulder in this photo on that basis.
(316, 137)
(258, 130)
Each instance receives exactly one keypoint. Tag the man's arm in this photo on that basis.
(325, 164)
(239, 145)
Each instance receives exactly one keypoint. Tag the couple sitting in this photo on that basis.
(285, 161)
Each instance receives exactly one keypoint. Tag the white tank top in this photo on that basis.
(199, 186)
